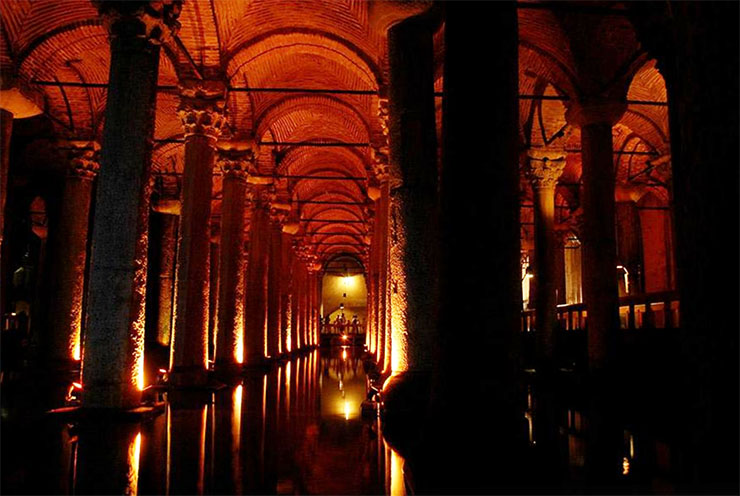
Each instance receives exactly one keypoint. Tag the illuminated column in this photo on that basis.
(273, 284)
(295, 298)
(201, 112)
(213, 277)
(169, 211)
(113, 355)
(413, 200)
(70, 253)
(235, 162)
(255, 325)
(313, 278)
(599, 248)
(370, 284)
(544, 169)
(286, 296)
(383, 297)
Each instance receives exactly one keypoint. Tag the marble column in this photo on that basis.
(69, 254)
(413, 256)
(235, 161)
(113, 352)
(202, 113)
(599, 247)
(543, 170)
(255, 325)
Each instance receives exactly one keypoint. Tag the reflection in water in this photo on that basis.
(298, 429)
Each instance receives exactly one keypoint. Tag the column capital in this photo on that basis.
(237, 159)
(544, 167)
(380, 162)
(154, 20)
(202, 107)
(589, 111)
(83, 157)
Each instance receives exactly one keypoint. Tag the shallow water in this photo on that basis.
(296, 429)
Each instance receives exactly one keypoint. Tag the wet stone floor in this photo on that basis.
(298, 429)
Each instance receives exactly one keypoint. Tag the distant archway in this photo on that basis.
(344, 296)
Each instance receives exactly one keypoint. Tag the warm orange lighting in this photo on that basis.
(134, 451)
(346, 410)
(77, 385)
(239, 348)
(625, 466)
(344, 337)
(236, 418)
(137, 371)
(398, 488)
(344, 354)
(75, 345)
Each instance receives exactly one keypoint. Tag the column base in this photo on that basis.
(405, 395)
(227, 371)
(183, 377)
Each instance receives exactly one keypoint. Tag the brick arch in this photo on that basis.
(296, 108)
(649, 121)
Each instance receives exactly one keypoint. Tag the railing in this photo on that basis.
(644, 311)
(342, 328)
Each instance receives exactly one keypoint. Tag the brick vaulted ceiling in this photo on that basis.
(337, 44)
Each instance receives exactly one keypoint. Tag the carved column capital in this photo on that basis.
(83, 158)
(154, 20)
(237, 159)
(202, 107)
(544, 167)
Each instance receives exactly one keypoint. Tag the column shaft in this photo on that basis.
(190, 347)
(230, 342)
(414, 230)
(168, 244)
(256, 291)
(68, 263)
(273, 291)
(213, 293)
(599, 243)
(545, 265)
(113, 355)
(6, 131)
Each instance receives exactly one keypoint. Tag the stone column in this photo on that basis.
(113, 352)
(273, 285)
(413, 256)
(286, 294)
(69, 254)
(544, 169)
(479, 218)
(599, 248)
(214, 280)
(313, 292)
(169, 211)
(295, 299)
(383, 297)
(255, 326)
(6, 131)
(235, 162)
(201, 111)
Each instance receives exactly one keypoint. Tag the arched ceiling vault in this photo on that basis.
(323, 45)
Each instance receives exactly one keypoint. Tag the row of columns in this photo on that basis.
(253, 300)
